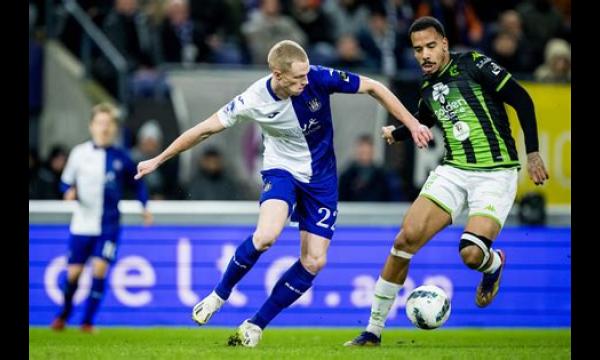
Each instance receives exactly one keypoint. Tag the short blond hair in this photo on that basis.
(284, 53)
(106, 108)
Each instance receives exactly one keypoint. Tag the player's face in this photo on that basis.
(431, 50)
(295, 79)
(103, 129)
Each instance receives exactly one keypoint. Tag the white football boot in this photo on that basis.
(206, 308)
(247, 335)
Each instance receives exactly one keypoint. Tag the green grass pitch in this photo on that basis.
(299, 343)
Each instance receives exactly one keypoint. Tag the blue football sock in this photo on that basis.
(242, 261)
(292, 284)
(69, 289)
(93, 302)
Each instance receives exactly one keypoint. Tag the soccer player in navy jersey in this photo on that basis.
(95, 175)
(292, 107)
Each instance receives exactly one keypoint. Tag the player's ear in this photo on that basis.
(445, 44)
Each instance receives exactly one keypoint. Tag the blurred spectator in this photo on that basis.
(363, 180)
(34, 166)
(350, 55)
(267, 26)
(149, 144)
(181, 39)
(48, 184)
(377, 39)
(541, 22)
(487, 10)
(557, 67)
(318, 28)
(35, 80)
(460, 21)
(130, 32)
(221, 20)
(211, 181)
(347, 15)
(510, 48)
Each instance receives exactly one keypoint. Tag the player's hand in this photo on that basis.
(421, 135)
(386, 133)
(148, 217)
(535, 166)
(70, 194)
(146, 167)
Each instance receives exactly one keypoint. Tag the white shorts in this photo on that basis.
(485, 193)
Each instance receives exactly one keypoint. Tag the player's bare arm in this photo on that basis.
(185, 141)
(421, 134)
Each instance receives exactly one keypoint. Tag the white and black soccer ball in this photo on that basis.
(428, 307)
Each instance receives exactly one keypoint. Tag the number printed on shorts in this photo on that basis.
(327, 215)
(108, 250)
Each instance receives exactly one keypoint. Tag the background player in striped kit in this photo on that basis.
(291, 105)
(95, 175)
(465, 94)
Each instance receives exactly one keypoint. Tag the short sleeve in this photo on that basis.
(234, 111)
(487, 72)
(70, 171)
(337, 81)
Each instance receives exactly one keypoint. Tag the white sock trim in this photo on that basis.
(400, 253)
(385, 293)
(496, 262)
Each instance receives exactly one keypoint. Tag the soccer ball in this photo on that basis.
(428, 307)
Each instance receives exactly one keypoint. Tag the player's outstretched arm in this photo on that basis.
(420, 133)
(517, 97)
(188, 139)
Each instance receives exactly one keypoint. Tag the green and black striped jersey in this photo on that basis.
(462, 98)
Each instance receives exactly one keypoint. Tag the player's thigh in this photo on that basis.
(81, 248)
(446, 187)
(423, 220)
(107, 244)
(491, 196)
(273, 214)
(316, 208)
(277, 198)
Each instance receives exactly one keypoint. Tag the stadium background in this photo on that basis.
(76, 60)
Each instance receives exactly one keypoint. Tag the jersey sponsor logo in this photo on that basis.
(451, 109)
(272, 115)
(461, 130)
(314, 104)
(440, 90)
(312, 126)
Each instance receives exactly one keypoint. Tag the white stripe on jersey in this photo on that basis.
(86, 170)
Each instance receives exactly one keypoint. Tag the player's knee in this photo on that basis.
(471, 256)
(408, 238)
(474, 250)
(314, 264)
(264, 239)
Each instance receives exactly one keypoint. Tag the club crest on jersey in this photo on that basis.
(440, 91)
(314, 104)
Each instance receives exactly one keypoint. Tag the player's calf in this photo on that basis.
(477, 254)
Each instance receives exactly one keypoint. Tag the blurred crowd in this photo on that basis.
(531, 38)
